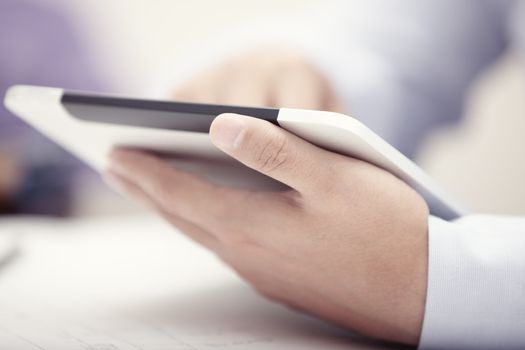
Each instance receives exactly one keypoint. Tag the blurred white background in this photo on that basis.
(481, 161)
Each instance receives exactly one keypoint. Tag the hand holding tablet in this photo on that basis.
(328, 224)
(345, 238)
(90, 125)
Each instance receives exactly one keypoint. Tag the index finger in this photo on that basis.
(177, 192)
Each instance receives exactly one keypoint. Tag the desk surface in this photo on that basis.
(135, 283)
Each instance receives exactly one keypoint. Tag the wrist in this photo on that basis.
(395, 275)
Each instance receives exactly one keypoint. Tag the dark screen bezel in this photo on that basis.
(170, 115)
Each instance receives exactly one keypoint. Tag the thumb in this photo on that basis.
(270, 150)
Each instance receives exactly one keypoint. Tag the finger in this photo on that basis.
(230, 215)
(199, 89)
(178, 193)
(193, 231)
(332, 102)
(272, 151)
(298, 86)
(248, 88)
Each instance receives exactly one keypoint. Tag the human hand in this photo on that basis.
(347, 242)
(262, 78)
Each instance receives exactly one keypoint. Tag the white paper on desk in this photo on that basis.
(135, 283)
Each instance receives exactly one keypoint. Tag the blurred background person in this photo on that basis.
(401, 67)
(39, 45)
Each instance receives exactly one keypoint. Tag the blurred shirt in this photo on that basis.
(40, 45)
(405, 67)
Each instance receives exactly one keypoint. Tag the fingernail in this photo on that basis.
(227, 130)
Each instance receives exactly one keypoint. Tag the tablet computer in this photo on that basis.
(90, 125)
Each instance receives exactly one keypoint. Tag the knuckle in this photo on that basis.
(272, 154)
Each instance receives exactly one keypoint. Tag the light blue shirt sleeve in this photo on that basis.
(476, 284)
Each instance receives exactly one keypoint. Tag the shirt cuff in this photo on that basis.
(476, 284)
